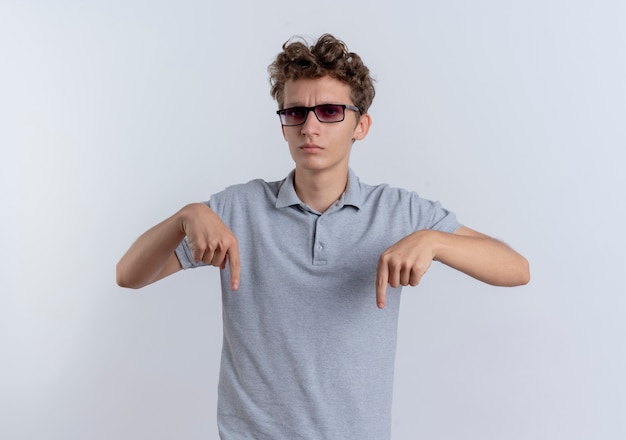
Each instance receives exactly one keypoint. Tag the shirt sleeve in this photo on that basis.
(431, 215)
(183, 253)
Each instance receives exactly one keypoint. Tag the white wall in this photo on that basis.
(113, 114)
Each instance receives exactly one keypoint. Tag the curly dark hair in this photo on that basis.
(328, 56)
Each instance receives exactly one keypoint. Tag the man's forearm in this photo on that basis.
(483, 258)
(148, 256)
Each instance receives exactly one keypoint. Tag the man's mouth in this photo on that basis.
(311, 148)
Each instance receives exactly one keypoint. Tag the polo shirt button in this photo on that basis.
(320, 247)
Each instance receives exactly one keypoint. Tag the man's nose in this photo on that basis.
(311, 124)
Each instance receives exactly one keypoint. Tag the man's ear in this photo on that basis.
(362, 127)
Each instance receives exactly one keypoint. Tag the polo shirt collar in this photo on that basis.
(352, 195)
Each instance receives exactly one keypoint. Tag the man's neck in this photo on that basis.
(320, 190)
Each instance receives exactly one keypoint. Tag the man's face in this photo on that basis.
(317, 146)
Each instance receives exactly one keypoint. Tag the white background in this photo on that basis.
(114, 114)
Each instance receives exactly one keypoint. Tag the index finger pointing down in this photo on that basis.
(382, 278)
(235, 267)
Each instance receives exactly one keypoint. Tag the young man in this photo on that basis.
(312, 266)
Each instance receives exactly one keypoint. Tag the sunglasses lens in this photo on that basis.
(329, 113)
(293, 116)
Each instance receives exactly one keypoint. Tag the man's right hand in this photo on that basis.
(152, 256)
(210, 240)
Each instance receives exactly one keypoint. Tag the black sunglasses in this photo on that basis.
(323, 112)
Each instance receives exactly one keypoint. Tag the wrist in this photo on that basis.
(183, 217)
(435, 241)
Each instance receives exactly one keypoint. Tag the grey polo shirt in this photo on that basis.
(306, 353)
